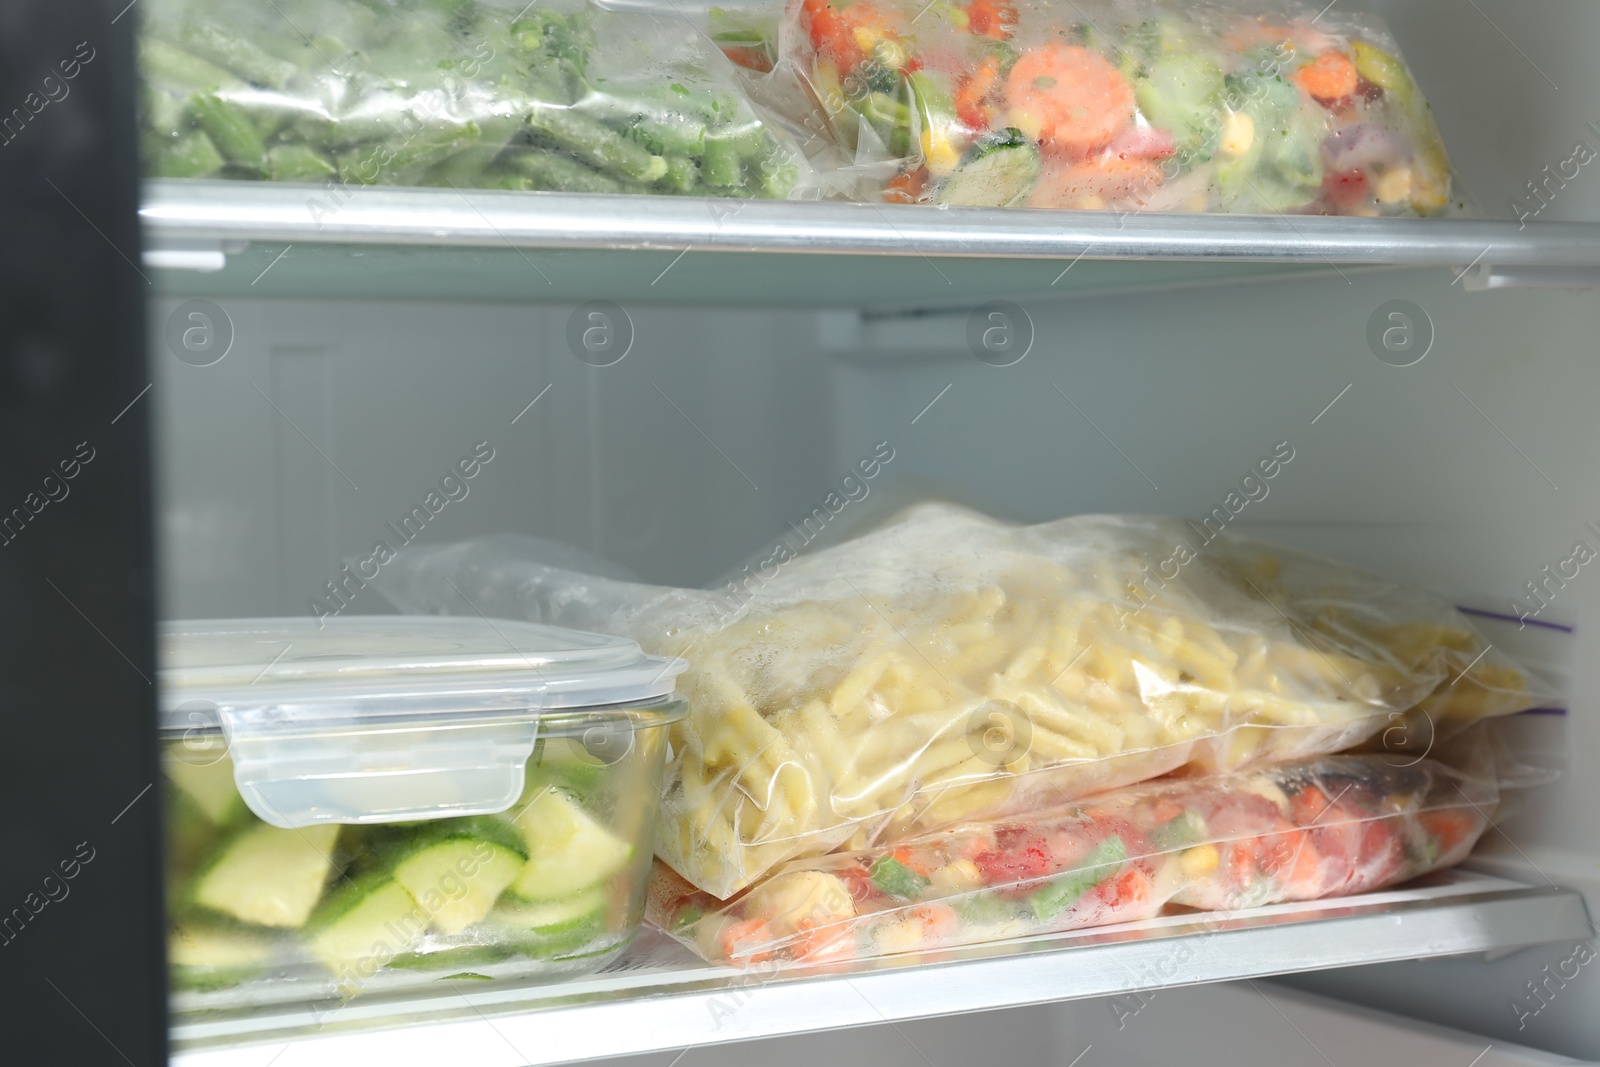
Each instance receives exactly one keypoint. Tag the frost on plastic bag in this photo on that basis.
(949, 666)
(1123, 105)
(450, 92)
(1331, 826)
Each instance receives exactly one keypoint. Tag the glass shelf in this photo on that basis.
(382, 243)
(659, 997)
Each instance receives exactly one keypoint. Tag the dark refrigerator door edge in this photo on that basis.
(81, 942)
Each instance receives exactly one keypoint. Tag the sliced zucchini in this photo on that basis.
(456, 957)
(564, 762)
(268, 876)
(207, 955)
(568, 851)
(551, 928)
(364, 924)
(209, 784)
(455, 869)
(999, 171)
(190, 835)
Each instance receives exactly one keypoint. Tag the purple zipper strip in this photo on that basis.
(1513, 618)
(1543, 711)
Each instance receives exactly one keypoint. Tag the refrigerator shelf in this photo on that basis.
(186, 210)
(659, 997)
(240, 238)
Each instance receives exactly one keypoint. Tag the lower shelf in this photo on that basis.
(659, 997)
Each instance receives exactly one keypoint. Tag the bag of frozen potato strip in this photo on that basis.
(1156, 105)
(948, 667)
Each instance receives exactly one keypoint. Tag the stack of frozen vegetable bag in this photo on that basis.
(953, 729)
(1151, 105)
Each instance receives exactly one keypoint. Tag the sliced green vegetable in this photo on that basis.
(683, 174)
(1061, 892)
(206, 955)
(553, 928)
(999, 171)
(1180, 831)
(568, 850)
(595, 143)
(236, 54)
(550, 170)
(455, 868)
(896, 879)
(231, 130)
(267, 875)
(1183, 93)
(205, 774)
(167, 65)
(450, 958)
(298, 163)
(363, 924)
(720, 167)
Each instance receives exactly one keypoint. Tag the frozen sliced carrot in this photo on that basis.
(992, 18)
(971, 91)
(1331, 76)
(1068, 97)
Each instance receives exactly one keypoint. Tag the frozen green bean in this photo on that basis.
(231, 130)
(556, 172)
(236, 54)
(191, 156)
(298, 163)
(595, 143)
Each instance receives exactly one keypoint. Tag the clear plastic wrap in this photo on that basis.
(1330, 826)
(450, 93)
(1156, 105)
(949, 666)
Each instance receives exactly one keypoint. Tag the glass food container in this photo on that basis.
(375, 803)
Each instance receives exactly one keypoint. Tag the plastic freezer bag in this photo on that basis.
(949, 666)
(1298, 831)
(1117, 104)
(450, 92)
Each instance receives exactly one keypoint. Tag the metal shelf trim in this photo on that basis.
(661, 999)
(187, 210)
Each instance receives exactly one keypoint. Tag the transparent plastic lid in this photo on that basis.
(388, 718)
(385, 667)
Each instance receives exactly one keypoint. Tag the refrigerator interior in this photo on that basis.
(752, 385)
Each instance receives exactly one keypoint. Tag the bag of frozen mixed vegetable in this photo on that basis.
(1325, 827)
(1120, 104)
(949, 666)
(450, 92)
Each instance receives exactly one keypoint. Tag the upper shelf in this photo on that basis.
(658, 997)
(183, 210)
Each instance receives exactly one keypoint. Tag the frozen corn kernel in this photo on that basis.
(902, 936)
(958, 877)
(1394, 187)
(1199, 861)
(1238, 133)
(1027, 121)
(939, 155)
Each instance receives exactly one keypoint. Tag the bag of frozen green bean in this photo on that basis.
(451, 93)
